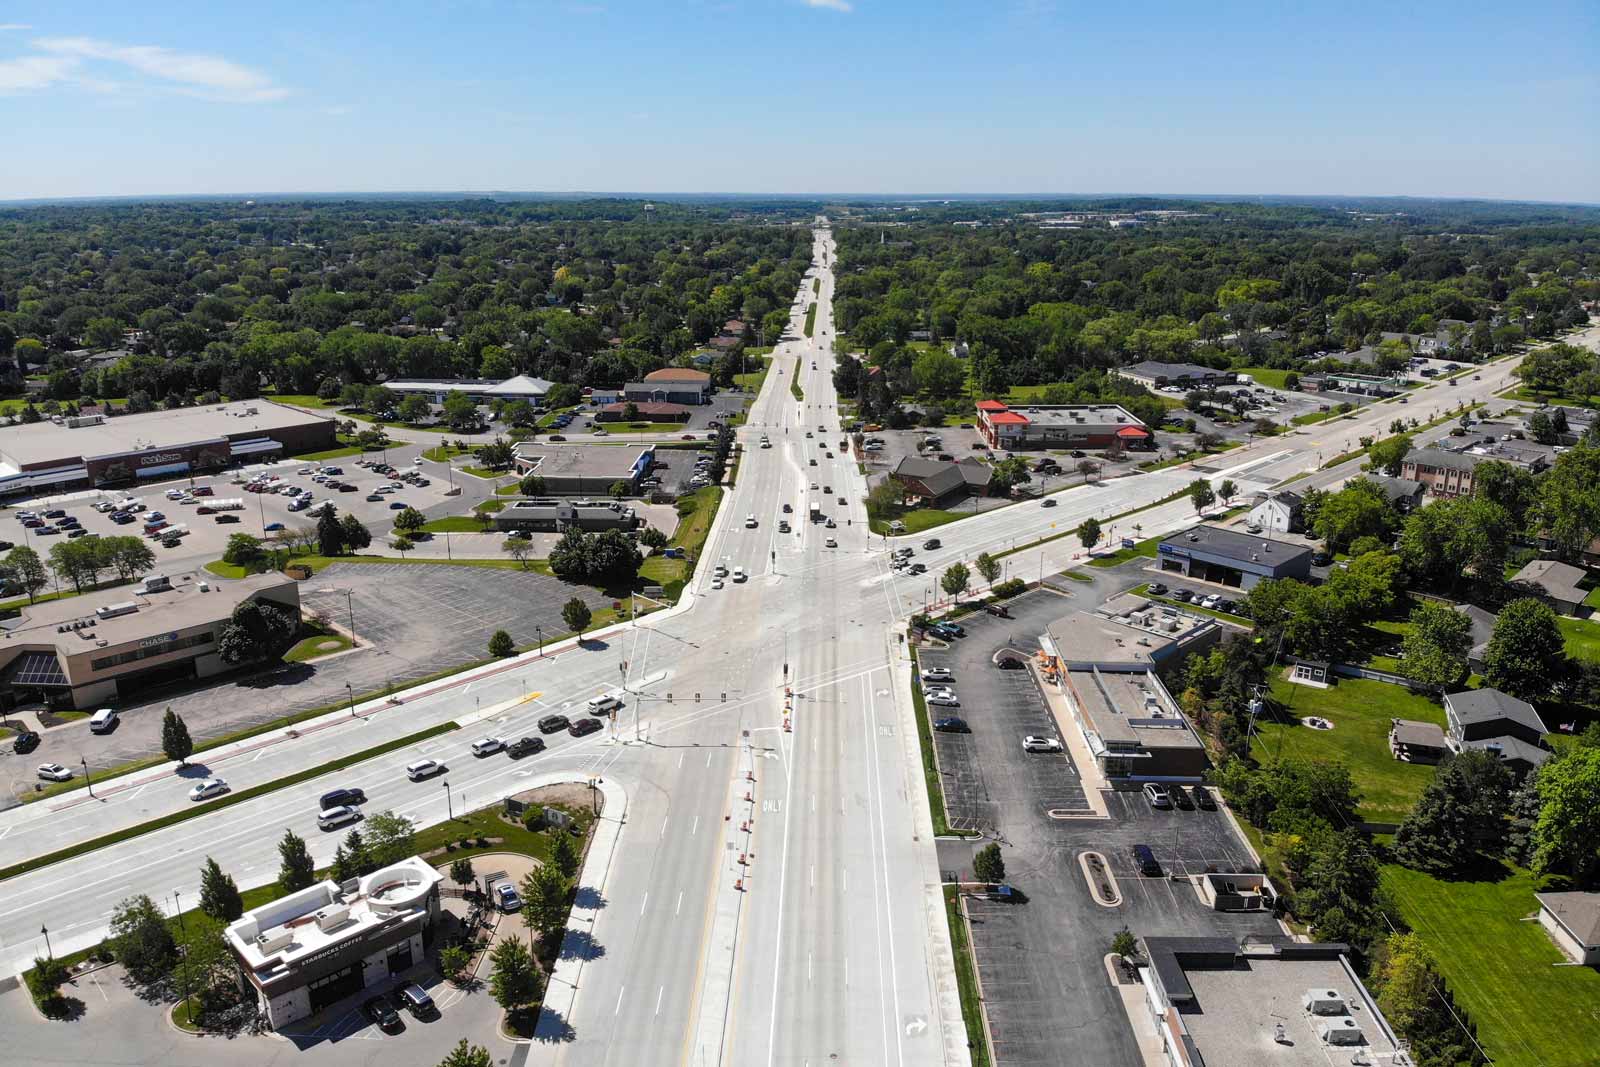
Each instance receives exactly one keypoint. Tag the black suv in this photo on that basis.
(525, 746)
(551, 723)
(583, 726)
(25, 742)
(343, 798)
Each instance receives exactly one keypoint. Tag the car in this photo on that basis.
(828, 489)
(1156, 589)
(1320, 559)
(937, 674)
(1203, 798)
(718, 583)
(930, 544)
(1211, 601)
(1181, 798)
(487, 746)
(830, 524)
(272, 526)
(1035, 743)
(749, 522)
(919, 568)
(551, 723)
(1183, 595)
(415, 999)
(423, 768)
(1252, 527)
(998, 610)
(944, 700)
(122, 518)
(843, 503)
(1157, 795)
(936, 689)
(202, 490)
(813, 463)
(374, 498)
(505, 897)
(226, 520)
(54, 772)
(397, 505)
(556, 437)
(25, 742)
(739, 575)
(1010, 663)
(525, 746)
(1048, 502)
(56, 513)
(343, 797)
(382, 1013)
(584, 727)
(103, 721)
(952, 725)
(77, 532)
(1144, 861)
(808, 435)
(1227, 605)
(211, 787)
(831, 543)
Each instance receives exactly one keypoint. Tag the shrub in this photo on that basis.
(1012, 587)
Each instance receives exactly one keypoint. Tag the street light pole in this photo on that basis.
(448, 806)
(352, 694)
(540, 631)
(177, 909)
(86, 777)
(350, 607)
(48, 953)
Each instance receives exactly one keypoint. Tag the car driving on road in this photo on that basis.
(487, 746)
(211, 787)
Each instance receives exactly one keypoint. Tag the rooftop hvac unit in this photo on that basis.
(333, 916)
(111, 611)
(1324, 1002)
(1340, 1032)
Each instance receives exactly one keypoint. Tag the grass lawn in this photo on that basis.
(455, 524)
(691, 534)
(751, 382)
(445, 453)
(317, 645)
(1311, 417)
(1583, 636)
(1360, 712)
(1529, 1010)
(966, 979)
(1146, 548)
(484, 472)
(918, 520)
(795, 390)
(1272, 379)
(301, 400)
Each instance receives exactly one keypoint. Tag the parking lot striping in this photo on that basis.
(644, 902)
(678, 907)
(661, 992)
(620, 990)
(696, 827)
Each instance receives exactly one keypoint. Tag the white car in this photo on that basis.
(1211, 601)
(487, 746)
(721, 571)
(304, 471)
(717, 583)
(813, 485)
(54, 772)
(1032, 743)
(937, 690)
(601, 432)
(211, 787)
(937, 674)
(739, 575)
(425, 768)
(831, 543)
(944, 700)
(749, 522)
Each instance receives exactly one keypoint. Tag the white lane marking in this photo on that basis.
(696, 827)
(847, 972)
(618, 1008)
(808, 968)
(663, 832)
(708, 759)
(883, 852)
(680, 759)
(777, 955)
(659, 994)
(678, 906)
(812, 878)
(7, 830)
(643, 902)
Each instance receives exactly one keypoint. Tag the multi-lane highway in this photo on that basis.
(775, 896)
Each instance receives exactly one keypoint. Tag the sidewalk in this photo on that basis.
(1071, 734)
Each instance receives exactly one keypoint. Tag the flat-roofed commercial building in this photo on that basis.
(1037, 426)
(584, 470)
(478, 390)
(1155, 375)
(85, 651)
(311, 949)
(1271, 1003)
(95, 450)
(1212, 554)
(561, 515)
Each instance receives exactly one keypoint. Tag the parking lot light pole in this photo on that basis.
(540, 631)
(352, 694)
(448, 807)
(89, 781)
(45, 931)
(350, 608)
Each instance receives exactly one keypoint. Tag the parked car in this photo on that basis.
(1157, 795)
(54, 772)
(944, 700)
(1181, 798)
(103, 721)
(936, 674)
(380, 1012)
(1156, 589)
(998, 610)
(952, 726)
(211, 787)
(1204, 799)
(226, 520)
(505, 897)
(1034, 743)
(415, 999)
(25, 742)
(1144, 861)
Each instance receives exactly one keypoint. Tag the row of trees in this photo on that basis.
(80, 562)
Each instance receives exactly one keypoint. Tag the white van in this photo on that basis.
(102, 720)
(423, 769)
(604, 705)
(333, 818)
(750, 522)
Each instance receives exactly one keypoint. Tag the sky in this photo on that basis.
(1422, 98)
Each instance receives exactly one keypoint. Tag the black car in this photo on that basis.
(6, 546)
(1010, 663)
(1181, 797)
(555, 437)
(997, 609)
(343, 798)
(952, 726)
(525, 746)
(381, 1012)
(221, 519)
(930, 544)
(1227, 605)
(1182, 595)
(1203, 797)
(1320, 559)
(551, 723)
(583, 727)
(25, 742)
(56, 514)
(1156, 589)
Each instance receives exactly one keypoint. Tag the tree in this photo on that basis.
(1201, 495)
(497, 455)
(1417, 1003)
(141, 940)
(564, 856)
(77, 562)
(544, 899)
(1527, 654)
(618, 490)
(531, 485)
(24, 567)
(45, 981)
(128, 556)
(465, 1055)
(461, 872)
(1227, 490)
(518, 549)
(403, 544)
(575, 613)
(1567, 508)
(651, 537)
(219, 894)
(1010, 473)
(390, 838)
(453, 960)
(460, 412)
(357, 859)
(988, 866)
(500, 645)
(1436, 646)
(988, 567)
(515, 981)
(176, 743)
(1566, 834)
(414, 408)
(1089, 532)
(938, 373)
(1360, 509)
(242, 550)
(257, 630)
(1460, 813)
(410, 520)
(355, 532)
(1388, 455)
(483, 512)
(1124, 944)
(330, 532)
(955, 579)
(295, 869)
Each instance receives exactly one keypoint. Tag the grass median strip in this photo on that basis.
(930, 767)
(966, 979)
(225, 801)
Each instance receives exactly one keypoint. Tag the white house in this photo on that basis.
(1280, 512)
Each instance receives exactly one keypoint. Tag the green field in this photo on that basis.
(456, 524)
(1529, 1010)
(691, 534)
(1360, 711)
(445, 453)
(1267, 376)
(918, 520)
(1146, 548)
(312, 647)
(811, 318)
(1583, 636)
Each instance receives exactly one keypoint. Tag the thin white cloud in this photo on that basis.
(831, 5)
(211, 77)
(34, 72)
(7, 27)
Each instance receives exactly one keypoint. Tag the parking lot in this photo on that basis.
(414, 620)
(1046, 993)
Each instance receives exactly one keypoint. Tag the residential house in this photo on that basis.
(1279, 512)
(1573, 922)
(941, 482)
(1496, 722)
(1556, 583)
(1482, 623)
(1402, 493)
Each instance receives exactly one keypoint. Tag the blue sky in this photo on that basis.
(801, 96)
